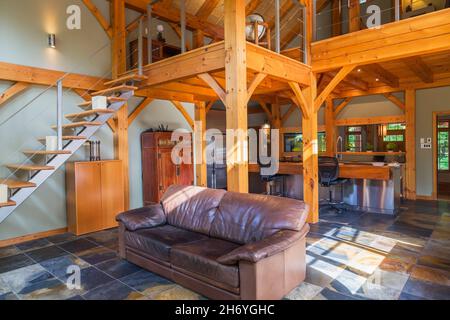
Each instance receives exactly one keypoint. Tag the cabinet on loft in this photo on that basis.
(158, 170)
(95, 195)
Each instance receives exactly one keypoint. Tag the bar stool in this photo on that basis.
(328, 177)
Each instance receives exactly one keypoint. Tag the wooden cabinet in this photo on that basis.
(158, 170)
(95, 195)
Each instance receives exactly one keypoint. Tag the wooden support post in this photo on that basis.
(330, 127)
(200, 144)
(354, 12)
(410, 137)
(119, 67)
(276, 115)
(236, 97)
(310, 155)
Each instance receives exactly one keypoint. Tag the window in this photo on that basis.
(293, 142)
(443, 145)
(396, 126)
(353, 135)
(394, 138)
(322, 142)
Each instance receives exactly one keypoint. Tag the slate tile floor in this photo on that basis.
(350, 256)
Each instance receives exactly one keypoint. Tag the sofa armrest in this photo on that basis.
(253, 252)
(146, 217)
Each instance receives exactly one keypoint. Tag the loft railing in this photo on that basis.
(335, 18)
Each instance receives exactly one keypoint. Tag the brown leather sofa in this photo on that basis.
(224, 245)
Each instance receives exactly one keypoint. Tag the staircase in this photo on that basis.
(81, 127)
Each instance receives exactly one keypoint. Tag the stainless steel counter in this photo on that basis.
(368, 195)
(377, 196)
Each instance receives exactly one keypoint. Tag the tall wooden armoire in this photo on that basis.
(158, 170)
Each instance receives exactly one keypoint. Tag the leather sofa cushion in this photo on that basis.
(192, 208)
(157, 242)
(142, 218)
(200, 257)
(245, 218)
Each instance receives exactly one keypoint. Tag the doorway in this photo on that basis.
(441, 129)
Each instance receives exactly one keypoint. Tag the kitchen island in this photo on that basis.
(369, 188)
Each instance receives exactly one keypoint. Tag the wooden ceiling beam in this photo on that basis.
(171, 14)
(420, 69)
(251, 6)
(47, 77)
(207, 8)
(353, 81)
(202, 93)
(382, 74)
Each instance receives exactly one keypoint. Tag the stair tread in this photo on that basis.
(43, 152)
(17, 184)
(80, 124)
(67, 138)
(10, 203)
(121, 88)
(88, 113)
(110, 100)
(125, 78)
(29, 167)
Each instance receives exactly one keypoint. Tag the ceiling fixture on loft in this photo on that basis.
(251, 21)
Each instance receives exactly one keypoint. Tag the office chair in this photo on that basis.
(328, 177)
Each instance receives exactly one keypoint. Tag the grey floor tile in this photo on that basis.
(34, 244)
(114, 290)
(46, 253)
(77, 246)
(118, 268)
(14, 262)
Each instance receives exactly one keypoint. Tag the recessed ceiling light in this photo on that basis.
(359, 70)
(376, 79)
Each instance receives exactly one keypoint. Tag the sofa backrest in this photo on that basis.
(245, 218)
(190, 207)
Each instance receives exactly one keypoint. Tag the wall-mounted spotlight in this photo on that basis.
(51, 40)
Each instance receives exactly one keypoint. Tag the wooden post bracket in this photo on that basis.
(12, 91)
(139, 109)
(395, 100)
(300, 99)
(183, 111)
(332, 85)
(212, 82)
(97, 14)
